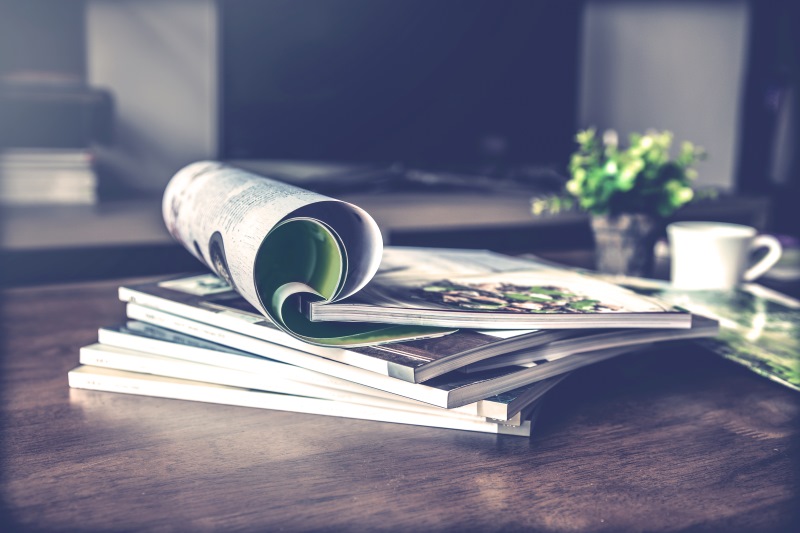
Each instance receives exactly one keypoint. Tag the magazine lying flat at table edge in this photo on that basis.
(740, 336)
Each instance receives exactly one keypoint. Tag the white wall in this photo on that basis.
(676, 65)
(158, 57)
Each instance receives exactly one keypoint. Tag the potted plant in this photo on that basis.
(629, 193)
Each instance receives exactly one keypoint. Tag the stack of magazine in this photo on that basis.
(306, 311)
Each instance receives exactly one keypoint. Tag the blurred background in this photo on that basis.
(441, 118)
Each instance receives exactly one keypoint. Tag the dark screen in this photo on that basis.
(421, 82)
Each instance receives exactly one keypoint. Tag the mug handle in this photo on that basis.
(774, 253)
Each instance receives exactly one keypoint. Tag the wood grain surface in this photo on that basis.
(672, 439)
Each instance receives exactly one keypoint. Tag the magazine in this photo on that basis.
(143, 362)
(534, 296)
(759, 327)
(112, 380)
(442, 391)
(146, 338)
(292, 253)
(206, 299)
(702, 327)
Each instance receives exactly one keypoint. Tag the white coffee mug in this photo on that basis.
(716, 255)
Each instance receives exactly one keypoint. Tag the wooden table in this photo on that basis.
(667, 440)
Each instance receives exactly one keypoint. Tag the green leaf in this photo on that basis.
(583, 305)
(436, 288)
(549, 292)
(520, 297)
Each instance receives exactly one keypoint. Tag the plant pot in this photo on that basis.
(624, 243)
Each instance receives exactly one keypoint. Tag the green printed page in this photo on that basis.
(759, 328)
(304, 260)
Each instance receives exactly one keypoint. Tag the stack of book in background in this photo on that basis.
(195, 338)
(50, 128)
(30, 176)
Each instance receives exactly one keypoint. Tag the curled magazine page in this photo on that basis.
(273, 243)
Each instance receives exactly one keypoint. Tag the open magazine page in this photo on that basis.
(759, 328)
(486, 290)
(271, 242)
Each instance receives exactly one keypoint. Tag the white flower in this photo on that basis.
(610, 138)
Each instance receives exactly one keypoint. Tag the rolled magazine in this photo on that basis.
(309, 263)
